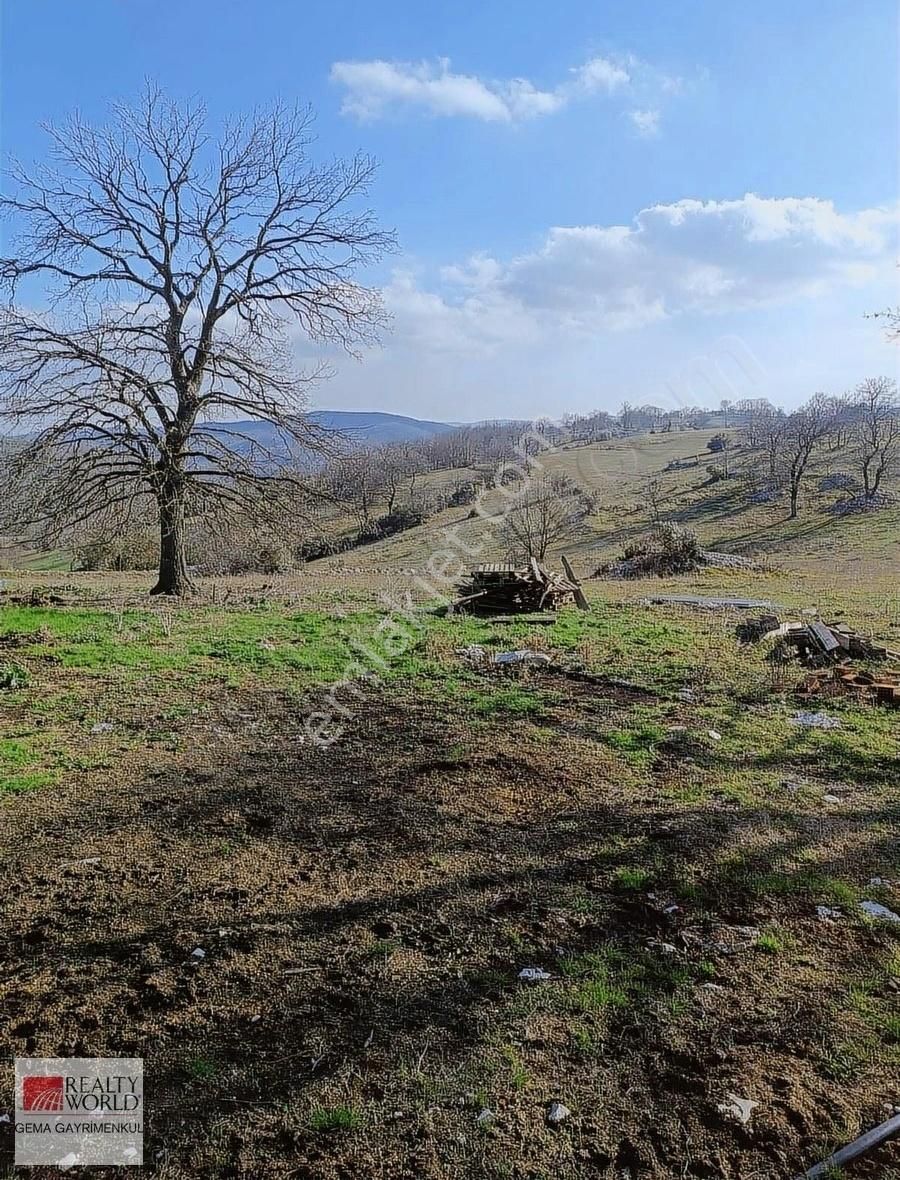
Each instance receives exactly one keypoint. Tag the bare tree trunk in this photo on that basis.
(795, 497)
(173, 572)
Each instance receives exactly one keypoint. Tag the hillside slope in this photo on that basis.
(618, 472)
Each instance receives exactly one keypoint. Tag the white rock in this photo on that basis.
(830, 799)
(485, 1118)
(557, 1114)
(878, 881)
(875, 910)
(102, 727)
(534, 975)
(198, 953)
(714, 734)
(739, 1109)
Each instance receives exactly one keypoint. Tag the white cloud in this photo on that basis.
(644, 311)
(601, 74)
(376, 88)
(646, 123)
(689, 258)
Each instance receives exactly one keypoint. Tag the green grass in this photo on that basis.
(773, 940)
(518, 1076)
(632, 877)
(202, 1069)
(335, 1119)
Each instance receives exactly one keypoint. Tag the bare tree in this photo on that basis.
(875, 431)
(656, 495)
(546, 512)
(804, 432)
(355, 479)
(176, 269)
(400, 465)
(770, 429)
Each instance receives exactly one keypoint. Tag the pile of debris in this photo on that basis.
(830, 648)
(508, 589)
(880, 688)
(819, 644)
(669, 550)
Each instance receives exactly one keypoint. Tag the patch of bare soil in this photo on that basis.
(364, 913)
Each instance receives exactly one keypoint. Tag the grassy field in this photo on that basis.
(642, 820)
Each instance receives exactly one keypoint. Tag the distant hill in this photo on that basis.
(373, 427)
(362, 427)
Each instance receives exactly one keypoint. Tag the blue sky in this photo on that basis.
(568, 182)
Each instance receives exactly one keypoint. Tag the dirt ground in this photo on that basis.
(364, 913)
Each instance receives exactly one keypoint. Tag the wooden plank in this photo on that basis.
(580, 601)
(823, 637)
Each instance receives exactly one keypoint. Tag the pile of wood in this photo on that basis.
(881, 687)
(508, 589)
(828, 643)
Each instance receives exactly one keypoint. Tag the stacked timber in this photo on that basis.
(510, 589)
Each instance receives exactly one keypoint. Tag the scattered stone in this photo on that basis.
(486, 1118)
(738, 1109)
(815, 720)
(792, 786)
(831, 799)
(473, 653)
(714, 735)
(102, 727)
(523, 656)
(825, 913)
(878, 882)
(557, 1114)
(711, 987)
(198, 953)
(685, 694)
(875, 910)
(534, 975)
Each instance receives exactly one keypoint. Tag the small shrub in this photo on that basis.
(462, 494)
(718, 443)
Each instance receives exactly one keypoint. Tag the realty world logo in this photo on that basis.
(79, 1110)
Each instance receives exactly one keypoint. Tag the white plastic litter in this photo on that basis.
(534, 975)
(523, 656)
(875, 910)
(815, 720)
(737, 1108)
(825, 913)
